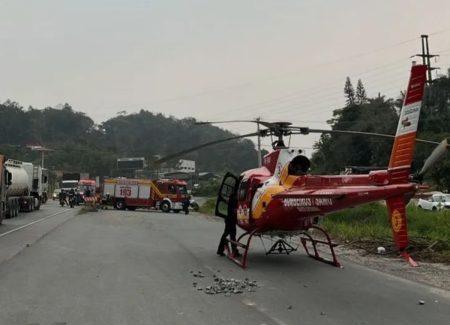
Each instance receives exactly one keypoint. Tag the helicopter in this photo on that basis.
(281, 200)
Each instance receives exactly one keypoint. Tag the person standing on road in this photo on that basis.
(230, 227)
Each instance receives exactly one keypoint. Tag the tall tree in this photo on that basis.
(349, 92)
(361, 96)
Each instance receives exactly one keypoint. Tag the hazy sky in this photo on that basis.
(210, 59)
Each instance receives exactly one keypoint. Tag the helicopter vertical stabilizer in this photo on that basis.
(403, 149)
(402, 156)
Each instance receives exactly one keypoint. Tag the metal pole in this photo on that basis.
(423, 49)
(259, 142)
(42, 158)
(430, 78)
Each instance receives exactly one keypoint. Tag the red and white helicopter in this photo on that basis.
(279, 199)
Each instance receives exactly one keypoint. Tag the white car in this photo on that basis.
(55, 195)
(436, 202)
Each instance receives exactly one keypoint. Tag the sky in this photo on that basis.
(280, 60)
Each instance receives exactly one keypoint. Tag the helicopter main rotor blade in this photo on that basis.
(437, 153)
(270, 125)
(207, 144)
(231, 121)
(306, 130)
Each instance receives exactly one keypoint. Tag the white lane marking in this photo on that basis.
(252, 304)
(32, 223)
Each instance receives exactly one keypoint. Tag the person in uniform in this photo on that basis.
(230, 227)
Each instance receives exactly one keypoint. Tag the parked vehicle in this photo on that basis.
(22, 187)
(70, 181)
(164, 194)
(437, 201)
(55, 195)
(86, 188)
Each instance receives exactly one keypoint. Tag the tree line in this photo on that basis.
(80, 145)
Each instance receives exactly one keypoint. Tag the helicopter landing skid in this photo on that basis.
(305, 237)
(240, 258)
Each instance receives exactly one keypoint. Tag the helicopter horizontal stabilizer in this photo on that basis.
(405, 137)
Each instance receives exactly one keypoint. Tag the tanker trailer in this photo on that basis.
(19, 194)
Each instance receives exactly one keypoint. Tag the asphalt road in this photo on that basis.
(120, 267)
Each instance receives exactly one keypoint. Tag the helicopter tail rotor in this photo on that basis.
(437, 154)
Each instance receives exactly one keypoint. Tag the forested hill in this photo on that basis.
(81, 145)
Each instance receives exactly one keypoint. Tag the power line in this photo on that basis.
(304, 93)
(269, 78)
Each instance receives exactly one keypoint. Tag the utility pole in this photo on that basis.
(426, 56)
(259, 142)
(42, 150)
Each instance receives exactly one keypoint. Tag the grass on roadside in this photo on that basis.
(208, 207)
(429, 232)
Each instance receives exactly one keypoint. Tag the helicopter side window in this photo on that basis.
(299, 166)
(243, 187)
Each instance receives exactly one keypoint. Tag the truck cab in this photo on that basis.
(173, 194)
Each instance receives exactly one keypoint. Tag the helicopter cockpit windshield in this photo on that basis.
(299, 166)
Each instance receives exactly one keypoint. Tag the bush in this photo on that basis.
(208, 207)
(208, 188)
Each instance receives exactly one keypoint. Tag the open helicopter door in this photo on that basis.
(229, 185)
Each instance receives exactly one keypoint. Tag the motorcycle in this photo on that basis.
(72, 200)
(194, 205)
(62, 199)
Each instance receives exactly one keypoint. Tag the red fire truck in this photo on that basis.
(87, 190)
(165, 194)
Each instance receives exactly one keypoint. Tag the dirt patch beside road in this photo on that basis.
(434, 274)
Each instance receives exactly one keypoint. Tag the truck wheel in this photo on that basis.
(13, 211)
(165, 206)
(120, 205)
(38, 204)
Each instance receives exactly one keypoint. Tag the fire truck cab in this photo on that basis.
(86, 188)
(164, 194)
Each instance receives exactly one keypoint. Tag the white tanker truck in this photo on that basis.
(23, 187)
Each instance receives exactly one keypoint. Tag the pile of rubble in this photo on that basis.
(225, 286)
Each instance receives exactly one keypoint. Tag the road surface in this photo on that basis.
(122, 267)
